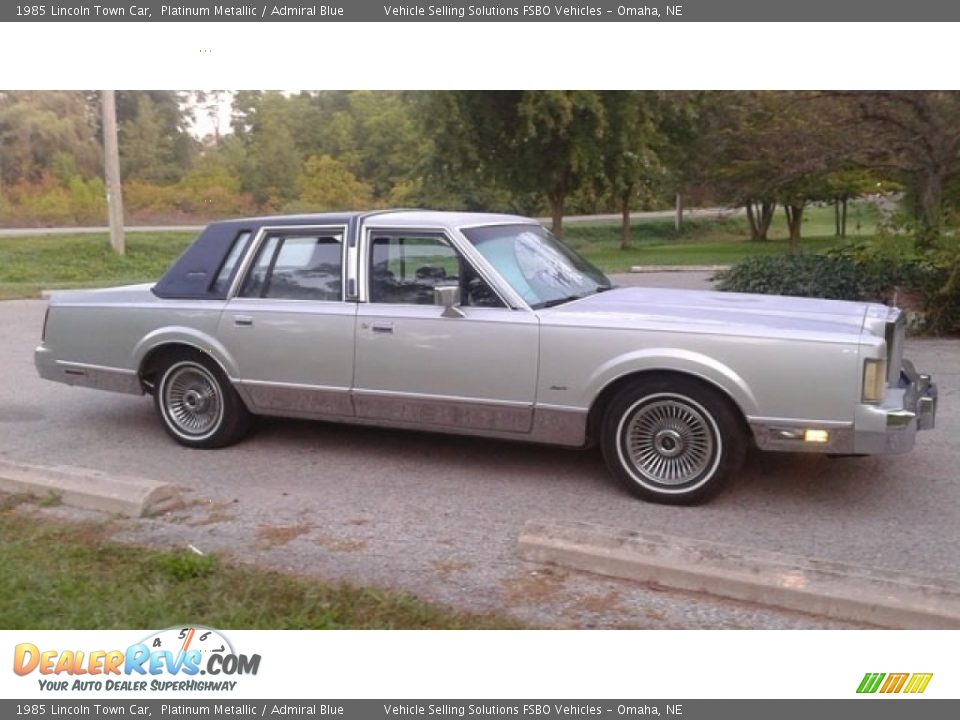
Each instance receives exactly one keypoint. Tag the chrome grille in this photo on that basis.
(894, 334)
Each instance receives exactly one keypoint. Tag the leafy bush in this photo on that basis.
(886, 270)
(195, 198)
(896, 272)
(51, 201)
(799, 274)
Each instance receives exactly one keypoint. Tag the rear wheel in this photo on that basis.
(198, 405)
(672, 440)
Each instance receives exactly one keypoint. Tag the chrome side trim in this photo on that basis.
(800, 422)
(304, 401)
(439, 398)
(548, 427)
(99, 377)
(434, 412)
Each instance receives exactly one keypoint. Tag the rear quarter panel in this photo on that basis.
(118, 330)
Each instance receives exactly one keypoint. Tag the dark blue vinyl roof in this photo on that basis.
(193, 274)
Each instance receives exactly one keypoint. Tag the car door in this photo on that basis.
(416, 366)
(288, 327)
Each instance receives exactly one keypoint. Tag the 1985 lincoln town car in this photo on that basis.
(488, 325)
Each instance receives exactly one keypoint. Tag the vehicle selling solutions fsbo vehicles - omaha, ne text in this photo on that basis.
(488, 325)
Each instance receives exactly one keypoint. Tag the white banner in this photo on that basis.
(488, 664)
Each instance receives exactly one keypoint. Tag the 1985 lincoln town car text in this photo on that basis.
(488, 325)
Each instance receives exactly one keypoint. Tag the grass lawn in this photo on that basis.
(57, 575)
(31, 264)
(711, 242)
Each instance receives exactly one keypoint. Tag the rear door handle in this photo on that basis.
(243, 321)
(383, 327)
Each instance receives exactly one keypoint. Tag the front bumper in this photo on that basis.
(887, 428)
(892, 426)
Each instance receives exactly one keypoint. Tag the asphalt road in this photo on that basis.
(439, 516)
(575, 219)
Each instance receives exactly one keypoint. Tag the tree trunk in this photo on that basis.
(836, 217)
(625, 219)
(760, 215)
(843, 218)
(767, 208)
(678, 219)
(794, 221)
(751, 218)
(556, 213)
(931, 203)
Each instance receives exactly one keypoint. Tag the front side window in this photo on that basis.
(405, 269)
(540, 268)
(301, 266)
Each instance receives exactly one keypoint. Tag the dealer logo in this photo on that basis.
(182, 653)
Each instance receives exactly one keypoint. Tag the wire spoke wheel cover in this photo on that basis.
(192, 401)
(669, 442)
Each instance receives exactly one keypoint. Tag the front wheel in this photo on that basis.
(198, 405)
(672, 440)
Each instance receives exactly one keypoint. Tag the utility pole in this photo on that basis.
(111, 160)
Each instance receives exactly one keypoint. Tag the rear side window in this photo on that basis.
(222, 282)
(301, 266)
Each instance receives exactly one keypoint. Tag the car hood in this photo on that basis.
(715, 311)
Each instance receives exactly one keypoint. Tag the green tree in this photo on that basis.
(842, 186)
(684, 118)
(631, 165)
(386, 146)
(737, 162)
(265, 154)
(915, 135)
(328, 184)
(148, 150)
(770, 147)
(155, 140)
(41, 129)
(523, 141)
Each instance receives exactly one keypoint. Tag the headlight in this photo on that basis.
(874, 380)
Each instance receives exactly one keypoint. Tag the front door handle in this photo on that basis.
(383, 327)
(243, 321)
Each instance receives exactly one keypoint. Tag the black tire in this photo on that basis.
(672, 440)
(197, 404)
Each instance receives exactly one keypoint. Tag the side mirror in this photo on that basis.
(448, 296)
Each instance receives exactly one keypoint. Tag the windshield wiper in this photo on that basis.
(558, 301)
(569, 298)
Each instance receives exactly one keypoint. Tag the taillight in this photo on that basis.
(43, 335)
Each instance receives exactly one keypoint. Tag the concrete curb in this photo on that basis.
(820, 587)
(90, 489)
(678, 268)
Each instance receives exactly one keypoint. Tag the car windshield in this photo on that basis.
(540, 268)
